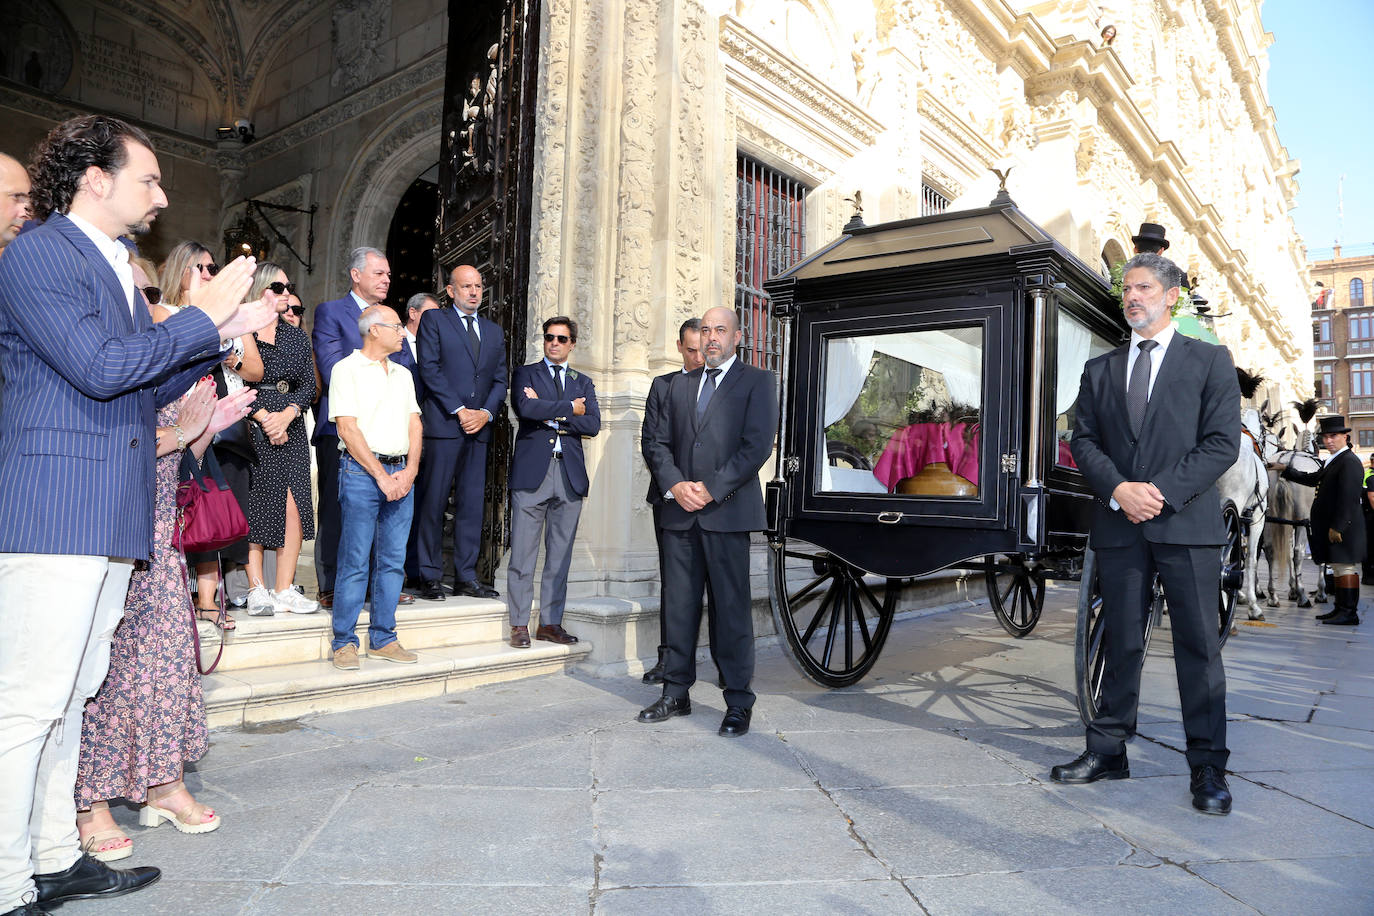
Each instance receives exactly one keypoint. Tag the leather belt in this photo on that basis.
(557, 456)
(389, 459)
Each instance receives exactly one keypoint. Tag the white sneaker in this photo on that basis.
(293, 601)
(260, 603)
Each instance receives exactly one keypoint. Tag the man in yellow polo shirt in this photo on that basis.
(372, 402)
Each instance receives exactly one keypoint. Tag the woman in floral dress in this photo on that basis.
(148, 720)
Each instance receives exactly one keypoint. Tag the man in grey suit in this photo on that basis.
(716, 432)
(1157, 423)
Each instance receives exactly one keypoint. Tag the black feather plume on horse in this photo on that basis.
(1249, 384)
(1306, 410)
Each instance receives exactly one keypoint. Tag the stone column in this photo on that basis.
(626, 239)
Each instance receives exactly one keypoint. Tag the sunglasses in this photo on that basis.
(279, 288)
(297, 310)
(210, 268)
(153, 294)
(550, 338)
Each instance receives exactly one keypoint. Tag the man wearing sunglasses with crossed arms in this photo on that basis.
(548, 479)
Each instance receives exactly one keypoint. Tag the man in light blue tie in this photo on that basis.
(463, 369)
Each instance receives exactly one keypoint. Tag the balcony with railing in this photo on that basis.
(1324, 349)
(1360, 406)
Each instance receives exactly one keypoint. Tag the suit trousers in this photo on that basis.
(59, 614)
(447, 462)
(1189, 577)
(327, 512)
(695, 559)
(662, 594)
(554, 508)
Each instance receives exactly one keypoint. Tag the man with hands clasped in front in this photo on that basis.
(1157, 422)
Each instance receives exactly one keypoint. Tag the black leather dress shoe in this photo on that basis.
(432, 590)
(1090, 767)
(1211, 795)
(88, 879)
(736, 722)
(665, 708)
(655, 674)
(475, 590)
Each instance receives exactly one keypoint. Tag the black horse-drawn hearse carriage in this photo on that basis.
(930, 371)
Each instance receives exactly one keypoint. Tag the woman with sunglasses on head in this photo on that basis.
(148, 719)
(188, 265)
(281, 513)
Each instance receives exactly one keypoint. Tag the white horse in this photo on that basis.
(1291, 509)
(1246, 485)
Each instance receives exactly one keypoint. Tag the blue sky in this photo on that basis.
(1319, 64)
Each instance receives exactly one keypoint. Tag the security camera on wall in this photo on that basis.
(244, 129)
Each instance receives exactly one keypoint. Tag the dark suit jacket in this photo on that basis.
(1190, 436)
(456, 377)
(84, 379)
(724, 451)
(654, 407)
(1337, 504)
(534, 440)
(334, 335)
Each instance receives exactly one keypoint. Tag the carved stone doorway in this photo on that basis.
(485, 177)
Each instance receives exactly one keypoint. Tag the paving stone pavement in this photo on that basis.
(924, 789)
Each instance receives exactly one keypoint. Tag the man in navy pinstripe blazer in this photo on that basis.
(86, 371)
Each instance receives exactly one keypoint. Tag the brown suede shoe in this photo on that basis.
(520, 637)
(554, 632)
(346, 658)
(394, 652)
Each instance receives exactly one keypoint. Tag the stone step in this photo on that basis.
(284, 639)
(250, 696)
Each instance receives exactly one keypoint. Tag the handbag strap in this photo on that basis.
(210, 464)
(195, 618)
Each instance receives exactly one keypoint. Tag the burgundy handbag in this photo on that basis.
(208, 515)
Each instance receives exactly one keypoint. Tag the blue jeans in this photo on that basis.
(369, 525)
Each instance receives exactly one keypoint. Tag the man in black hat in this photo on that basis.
(1338, 535)
(1151, 239)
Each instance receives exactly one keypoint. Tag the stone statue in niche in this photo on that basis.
(356, 33)
(39, 45)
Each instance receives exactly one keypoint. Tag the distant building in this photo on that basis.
(1343, 341)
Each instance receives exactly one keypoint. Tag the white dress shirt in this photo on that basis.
(1163, 338)
(114, 251)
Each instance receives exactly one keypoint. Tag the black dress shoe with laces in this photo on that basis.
(736, 722)
(1211, 795)
(432, 590)
(1090, 766)
(655, 674)
(665, 708)
(475, 589)
(89, 878)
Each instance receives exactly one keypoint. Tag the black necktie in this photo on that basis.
(708, 389)
(472, 333)
(558, 381)
(1138, 390)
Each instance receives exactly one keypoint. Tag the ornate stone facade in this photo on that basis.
(643, 106)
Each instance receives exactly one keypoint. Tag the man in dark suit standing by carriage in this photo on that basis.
(1157, 423)
(705, 454)
(1338, 530)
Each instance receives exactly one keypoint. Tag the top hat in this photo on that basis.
(1332, 424)
(1152, 233)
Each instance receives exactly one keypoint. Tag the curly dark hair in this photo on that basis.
(70, 148)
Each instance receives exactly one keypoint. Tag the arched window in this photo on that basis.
(1356, 293)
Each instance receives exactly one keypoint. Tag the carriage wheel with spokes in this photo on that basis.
(834, 619)
(1016, 590)
(1232, 569)
(1089, 649)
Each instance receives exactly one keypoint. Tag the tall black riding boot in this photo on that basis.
(1347, 602)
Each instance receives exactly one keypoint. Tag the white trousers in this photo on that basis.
(57, 614)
